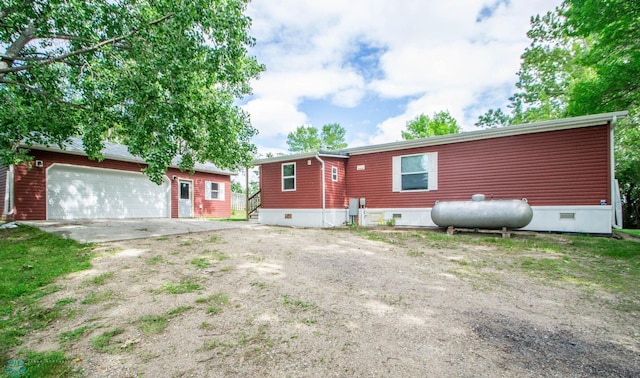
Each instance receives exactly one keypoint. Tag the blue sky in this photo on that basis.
(373, 65)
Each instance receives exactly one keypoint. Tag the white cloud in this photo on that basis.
(434, 54)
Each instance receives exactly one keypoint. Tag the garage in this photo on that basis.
(79, 192)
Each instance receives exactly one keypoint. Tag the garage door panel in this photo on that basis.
(75, 192)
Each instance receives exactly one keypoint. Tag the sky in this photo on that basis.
(373, 65)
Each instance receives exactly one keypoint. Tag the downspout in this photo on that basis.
(324, 189)
(8, 193)
(612, 169)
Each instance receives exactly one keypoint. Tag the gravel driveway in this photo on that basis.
(279, 302)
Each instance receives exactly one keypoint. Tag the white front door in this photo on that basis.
(185, 199)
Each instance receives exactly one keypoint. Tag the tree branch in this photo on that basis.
(45, 62)
(41, 92)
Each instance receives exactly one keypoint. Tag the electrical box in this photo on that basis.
(354, 204)
(363, 202)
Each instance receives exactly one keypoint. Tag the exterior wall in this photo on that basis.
(201, 206)
(567, 167)
(335, 191)
(308, 193)
(3, 188)
(30, 185)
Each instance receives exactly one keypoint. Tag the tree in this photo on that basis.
(422, 126)
(236, 187)
(308, 138)
(584, 59)
(160, 77)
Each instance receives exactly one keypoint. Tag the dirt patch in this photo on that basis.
(271, 301)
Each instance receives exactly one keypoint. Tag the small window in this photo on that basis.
(415, 172)
(184, 190)
(288, 176)
(214, 190)
(334, 173)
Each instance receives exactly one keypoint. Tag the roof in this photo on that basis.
(530, 128)
(119, 152)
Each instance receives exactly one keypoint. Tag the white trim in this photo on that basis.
(191, 196)
(282, 177)
(207, 191)
(9, 207)
(334, 174)
(432, 171)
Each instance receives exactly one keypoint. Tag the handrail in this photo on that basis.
(253, 203)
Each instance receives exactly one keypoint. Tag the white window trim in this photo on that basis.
(334, 174)
(295, 181)
(397, 174)
(207, 190)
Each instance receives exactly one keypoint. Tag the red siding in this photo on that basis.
(568, 167)
(335, 191)
(308, 193)
(210, 208)
(30, 185)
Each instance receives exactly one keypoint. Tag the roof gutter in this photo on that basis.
(616, 219)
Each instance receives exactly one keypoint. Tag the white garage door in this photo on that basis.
(75, 192)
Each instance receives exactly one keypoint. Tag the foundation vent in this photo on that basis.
(568, 216)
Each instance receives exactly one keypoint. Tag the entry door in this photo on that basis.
(185, 199)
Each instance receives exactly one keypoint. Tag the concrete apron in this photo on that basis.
(106, 230)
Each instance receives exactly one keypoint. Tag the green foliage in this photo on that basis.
(309, 138)
(442, 123)
(105, 343)
(154, 324)
(584, 58)
(160, 77)
(236, 187)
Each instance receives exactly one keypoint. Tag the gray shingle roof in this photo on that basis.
(119, 152)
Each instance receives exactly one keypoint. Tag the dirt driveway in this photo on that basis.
(279, 302)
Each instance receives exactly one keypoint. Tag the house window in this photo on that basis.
(184, 190)
(417, 172)
(334, 173)
(288, 177)
(214, 190)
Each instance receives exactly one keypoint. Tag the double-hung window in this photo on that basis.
(418, 172)
(334, 174)
(288, 177)
(214, 190)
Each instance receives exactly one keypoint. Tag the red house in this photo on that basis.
(65, 184)
(564, 168)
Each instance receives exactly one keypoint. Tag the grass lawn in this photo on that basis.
(31, 260)
(631, 232)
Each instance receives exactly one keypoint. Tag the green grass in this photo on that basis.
(154, 324)
(73, 335)
(201, 263)
(30, 261)
(215, 301)
(296, 304)
(105, 343)
(632, 232)
(100, 279)
(591, 262)
(185, 285)
(100, 296)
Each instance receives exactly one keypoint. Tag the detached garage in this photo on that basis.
(64, 185)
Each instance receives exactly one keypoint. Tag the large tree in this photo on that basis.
(309, 138)
(423, 126)
(160, 77)
(584, 58)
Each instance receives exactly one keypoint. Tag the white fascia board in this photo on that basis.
(530, 128)
(74, 150)
(301, 156)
